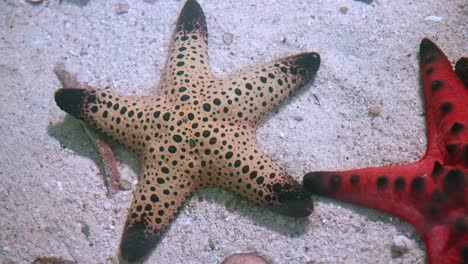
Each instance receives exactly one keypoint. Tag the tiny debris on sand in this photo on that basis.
(244, 258)
(122, 7)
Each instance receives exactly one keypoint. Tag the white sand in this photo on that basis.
(50, 184)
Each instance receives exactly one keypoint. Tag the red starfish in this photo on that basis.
(431, 194)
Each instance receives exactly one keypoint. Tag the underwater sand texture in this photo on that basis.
(52, 198)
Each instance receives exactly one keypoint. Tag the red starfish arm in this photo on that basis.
(431, 194)
(446, 106)
(386, 189)
(433, 201)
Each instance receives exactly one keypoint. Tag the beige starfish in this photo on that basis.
(196, 131)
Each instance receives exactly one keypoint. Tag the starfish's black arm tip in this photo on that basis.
(307, 64)
(71, 101)
(429, 52)
(295, 202)
(191, 18)
(137, 243)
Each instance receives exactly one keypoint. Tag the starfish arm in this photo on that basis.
(386, 189)
(434, 203)
(250, 95)
(241, 167)
(431, 194)
(163, 189)
(130, 121)
(187, 62)
(446, 106)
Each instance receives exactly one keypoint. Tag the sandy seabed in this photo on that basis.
(50, 180)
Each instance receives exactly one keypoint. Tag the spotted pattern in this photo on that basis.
(431, 194)
(196, 131)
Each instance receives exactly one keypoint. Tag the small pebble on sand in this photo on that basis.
(122, 7)
(125, 185)
(400, 245)
(107, 205)
(344, 10)
(228, 38)
(375, 110)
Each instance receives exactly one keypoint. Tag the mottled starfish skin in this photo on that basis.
(196, 131)
(431, 194)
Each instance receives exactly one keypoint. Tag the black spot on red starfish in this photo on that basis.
(196, 131)
(431, 194)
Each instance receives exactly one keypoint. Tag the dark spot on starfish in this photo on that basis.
(184, 98)
(156, 114)
(253, 175)
(172, 149)
(400, 184)
(452, 149)
(160, 180)
(354, 180)
(123, 110)
(94, 109)
(433, 212)
(334, 182)
(446, 108)
(456, 129)
(382, 182)
(154, 198)
(206, 107)
(454, 181)
(436, 85)
(461, 224)
(92, 99)
(437, 170)
(429, 70)
(260, 180)
(437, 196)
(177, 138)
(263, 79)
(418, 184)
(166, 116)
